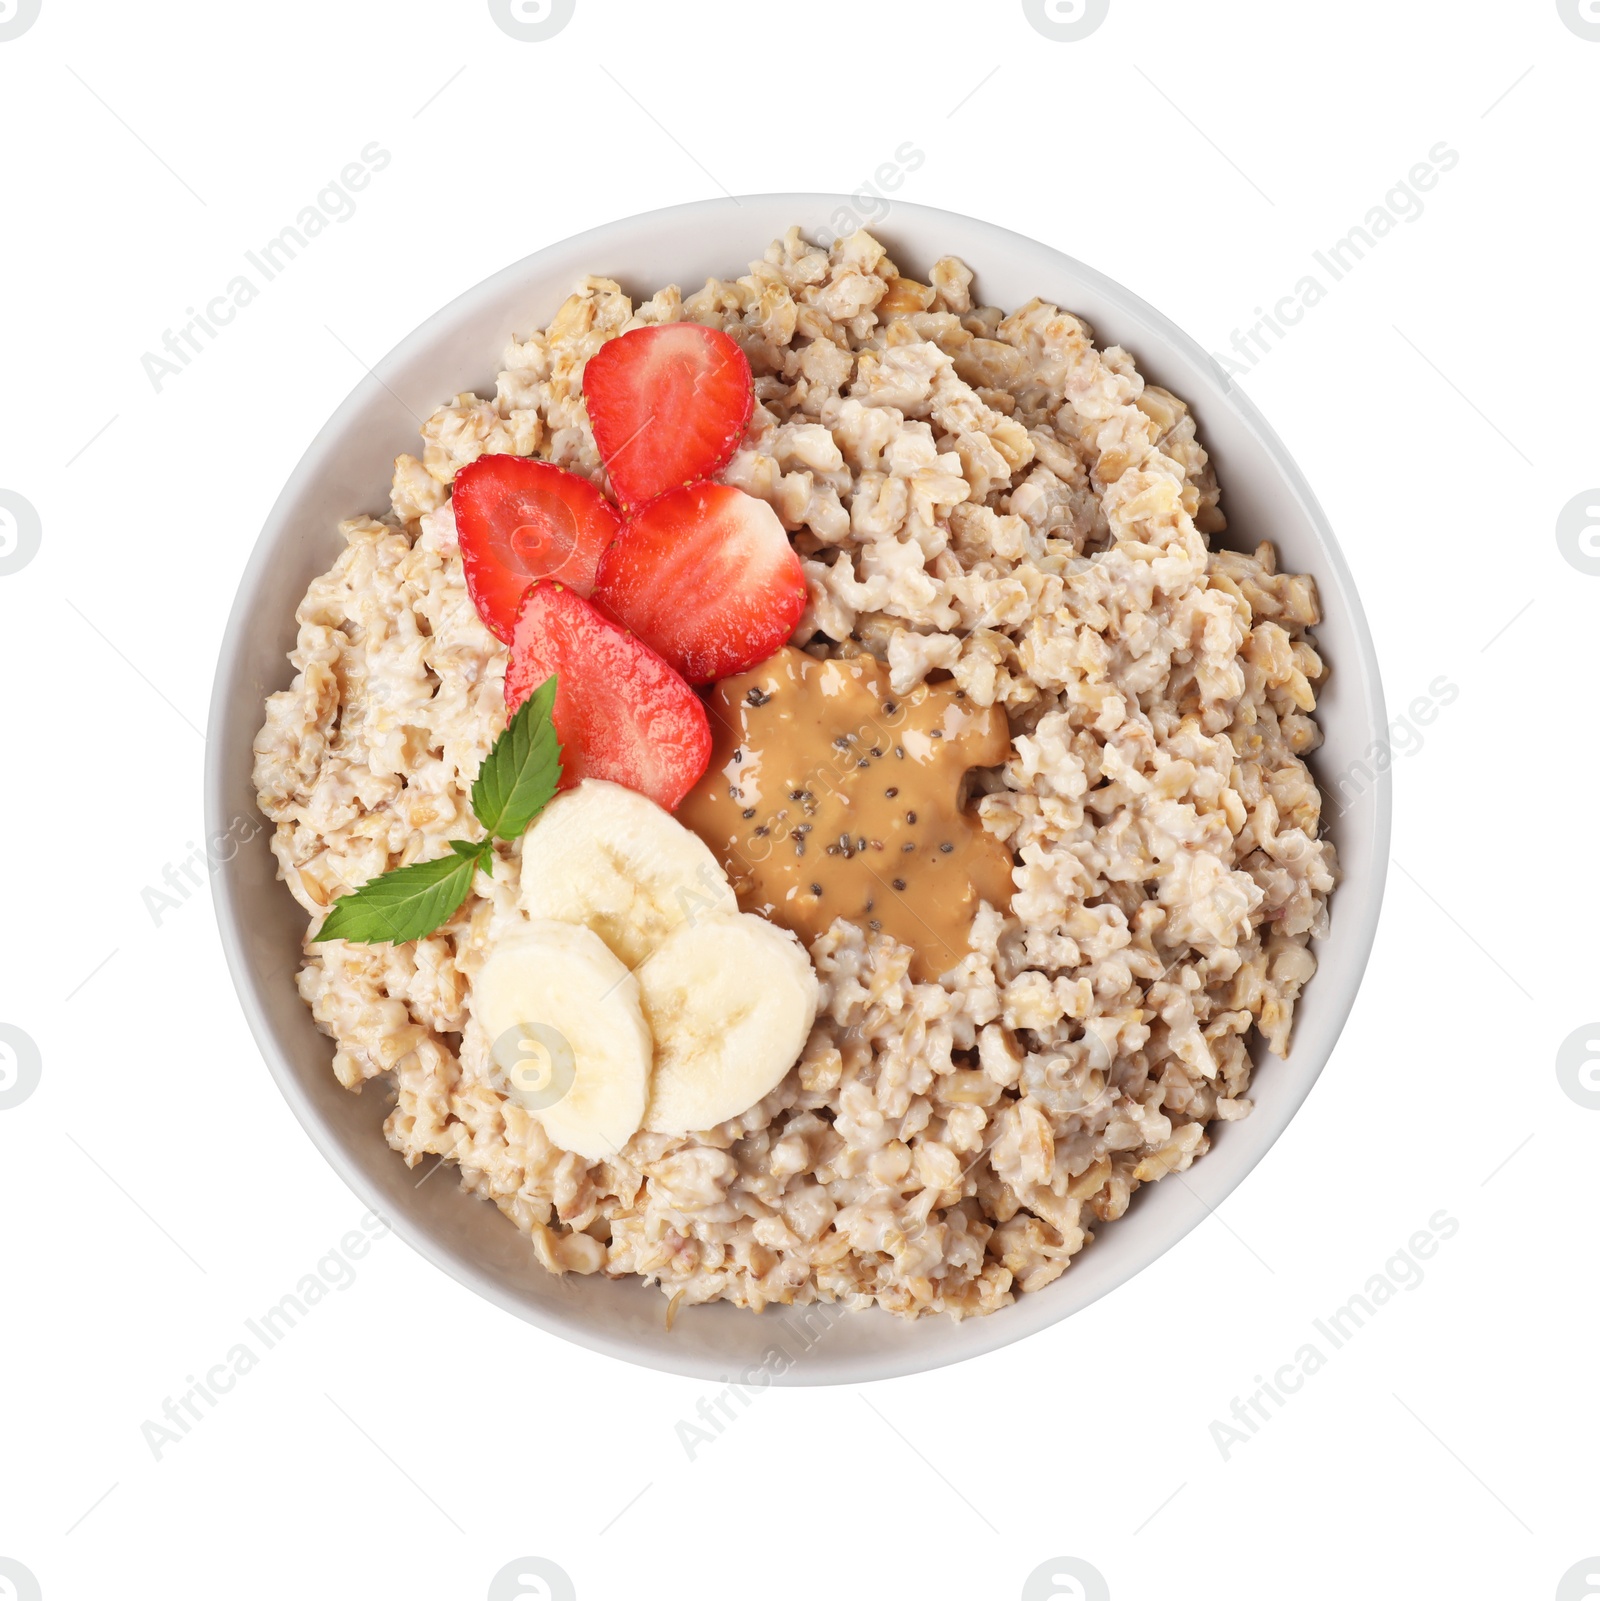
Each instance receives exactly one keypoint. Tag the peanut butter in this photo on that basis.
(828, 796)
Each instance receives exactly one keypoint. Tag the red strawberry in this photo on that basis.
(668, 405)
(708, 577)
(621, 712)
(518, 520)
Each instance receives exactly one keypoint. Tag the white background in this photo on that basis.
(408, 1440)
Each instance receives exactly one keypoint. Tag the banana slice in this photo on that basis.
(613, 860)
(730, 999)
(566, 1035)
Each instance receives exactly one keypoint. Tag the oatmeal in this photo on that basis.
(985, 505)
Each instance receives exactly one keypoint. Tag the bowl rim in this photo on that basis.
(1360, 904)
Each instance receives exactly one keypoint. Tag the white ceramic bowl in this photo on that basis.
(347, 470)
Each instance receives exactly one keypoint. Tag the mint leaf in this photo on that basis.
(514, 784)
(409, 902)
(520, 774)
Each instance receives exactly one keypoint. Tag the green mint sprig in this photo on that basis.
(515, 783)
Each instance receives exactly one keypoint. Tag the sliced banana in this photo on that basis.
(566, 1034)
(613, 860)
(730, 999)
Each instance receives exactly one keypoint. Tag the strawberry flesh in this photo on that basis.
(518, 520)
(668, 404)
(707, 576)
(621, 712)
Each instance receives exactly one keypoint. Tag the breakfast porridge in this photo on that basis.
(790, 800)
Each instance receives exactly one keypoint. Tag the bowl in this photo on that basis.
(346, 471)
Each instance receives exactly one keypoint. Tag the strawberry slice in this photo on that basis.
(621, 712)
(518, 520)
(708, 577)
(668, 405)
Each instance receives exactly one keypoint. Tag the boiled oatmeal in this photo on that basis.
(994, 521)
